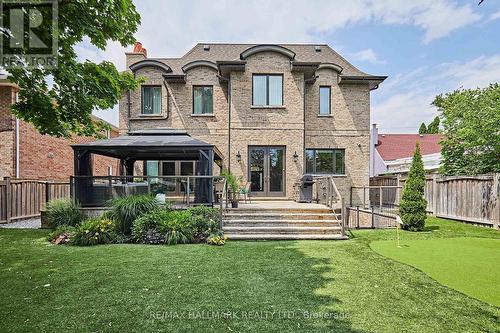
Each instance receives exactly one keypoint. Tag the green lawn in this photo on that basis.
(279, 286)
(470, 265)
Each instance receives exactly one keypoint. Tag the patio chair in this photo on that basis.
(245, 192)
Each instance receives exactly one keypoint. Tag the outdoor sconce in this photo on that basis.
(238, 157)
(295, 157)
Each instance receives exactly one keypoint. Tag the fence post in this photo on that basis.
(380, 197)
(434, 194)
(8, 199)
(496, 201)
(187, 191)
(357, 217)
(350, 197)
(373, 217)
(364, 196)
(47, 192)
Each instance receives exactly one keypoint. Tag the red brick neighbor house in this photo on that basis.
(393, 153)
(27, 154)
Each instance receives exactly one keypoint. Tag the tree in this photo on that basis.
(422, 129)
(77, 89)
(413, 205)
(471, 121)
(433, 127)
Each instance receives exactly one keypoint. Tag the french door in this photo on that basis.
(266, 171)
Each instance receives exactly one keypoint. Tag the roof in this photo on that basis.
(147, 140)
(232, 52)
(396, 146)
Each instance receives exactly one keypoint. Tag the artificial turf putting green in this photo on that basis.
(469, 265)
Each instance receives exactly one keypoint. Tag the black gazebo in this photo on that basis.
(143, 145)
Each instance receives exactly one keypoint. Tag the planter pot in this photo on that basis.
(234, 204)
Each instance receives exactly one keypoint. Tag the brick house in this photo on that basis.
(275, 112)
(393, 153)
(27, 154)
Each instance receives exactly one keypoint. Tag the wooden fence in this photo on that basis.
(23, 199)
(474, 199)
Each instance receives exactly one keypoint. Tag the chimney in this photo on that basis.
(139, 53)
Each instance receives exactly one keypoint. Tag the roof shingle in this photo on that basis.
(395, 146)
(227, 52)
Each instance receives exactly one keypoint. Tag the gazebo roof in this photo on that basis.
(149, 144)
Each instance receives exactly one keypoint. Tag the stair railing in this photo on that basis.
(335, 197)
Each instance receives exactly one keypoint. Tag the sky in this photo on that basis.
(425, 47)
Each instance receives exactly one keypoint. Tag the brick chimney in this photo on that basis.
(139, 53)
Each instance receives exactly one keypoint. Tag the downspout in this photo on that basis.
(17, 142)
(229, 124)
(304, 135)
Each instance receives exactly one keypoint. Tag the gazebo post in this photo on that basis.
(82, 167)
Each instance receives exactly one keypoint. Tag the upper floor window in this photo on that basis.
(331, 161)
(203, 101)
(151, 99)
(324, 101)
(267, 90)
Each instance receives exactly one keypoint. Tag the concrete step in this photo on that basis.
(285, 236)
(282, 230)
(280, 216)
(281, 223)
(319, 210)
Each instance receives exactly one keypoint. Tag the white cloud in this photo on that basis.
(171, 28)
(494, 16)
(367, 55)
(404, 101)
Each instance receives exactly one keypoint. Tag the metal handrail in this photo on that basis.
(342, 208)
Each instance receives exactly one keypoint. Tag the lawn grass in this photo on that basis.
(261, 286)
(470, 265)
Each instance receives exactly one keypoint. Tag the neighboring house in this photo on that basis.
(274, 112)
(393, 153)
(25, 153)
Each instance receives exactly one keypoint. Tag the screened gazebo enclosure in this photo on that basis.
(168, 163)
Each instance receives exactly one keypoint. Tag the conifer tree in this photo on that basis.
(413, 204)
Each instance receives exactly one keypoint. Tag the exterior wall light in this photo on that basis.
(295, 157)
(238, 157)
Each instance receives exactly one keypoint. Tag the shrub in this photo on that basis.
(63, 212)
(124, 211)
(204, 221)
(164, 227)
(62, 234)
(177, 228)
(145, 229)
(216, 239)
(413, 205)
(94, 231)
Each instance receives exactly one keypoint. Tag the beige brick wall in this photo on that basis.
(347, 127)
(177, 107)
(267, 126)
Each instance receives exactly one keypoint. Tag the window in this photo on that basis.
(152, 168)
(324, 101)
(203, 100)
(151, 100)
(267, 90)
(330, 161)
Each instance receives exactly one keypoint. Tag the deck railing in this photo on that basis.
(328, 194)
(98, 191)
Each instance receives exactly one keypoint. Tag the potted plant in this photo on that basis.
(234, 184)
